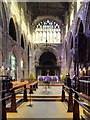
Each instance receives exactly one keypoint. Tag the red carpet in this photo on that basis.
(50, 84)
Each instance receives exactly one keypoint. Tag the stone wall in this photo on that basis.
(23, 26)
(81, 15)
(8, 44)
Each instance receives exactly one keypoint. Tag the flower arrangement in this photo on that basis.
(40, 78)
(47, 79)
(63, 77)
(54, 78)
(32, 77)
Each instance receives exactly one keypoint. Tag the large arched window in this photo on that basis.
(47, 30)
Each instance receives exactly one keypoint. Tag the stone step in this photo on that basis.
(46, 99)
(35, 96)
(42, 98)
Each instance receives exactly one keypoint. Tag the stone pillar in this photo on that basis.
(30, 63)
(1, 60)
(26, 67)
(4, 48)
(19, 63)
(1, 52)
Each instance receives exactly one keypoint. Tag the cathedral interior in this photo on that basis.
(49, 40)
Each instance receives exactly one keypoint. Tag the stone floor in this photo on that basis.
(43, 109)
(47, 91)
(50, 91)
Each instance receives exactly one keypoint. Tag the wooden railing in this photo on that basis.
(84, 102)
(9, 97)
(14, 91)
(84, 86)
(9, 101)
(68, 100)
(73, 103)
(32, 86)
(5, 85)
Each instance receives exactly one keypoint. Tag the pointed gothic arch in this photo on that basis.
(12, 30)
(22, 42)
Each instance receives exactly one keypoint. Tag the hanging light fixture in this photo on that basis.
(46, 42)
(46, 36)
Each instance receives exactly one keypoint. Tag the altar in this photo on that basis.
(46, 81)
(50, 78)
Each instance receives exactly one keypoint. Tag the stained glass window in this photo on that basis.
(47, 30)
(13, 66)
(22, 65)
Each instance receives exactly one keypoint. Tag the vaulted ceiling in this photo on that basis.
(56, 9)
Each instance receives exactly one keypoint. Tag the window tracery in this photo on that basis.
(47, 30)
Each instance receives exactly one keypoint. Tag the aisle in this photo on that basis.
(41, 110)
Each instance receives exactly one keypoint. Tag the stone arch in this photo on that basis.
(47, 58)
(3, 13)
(81, 47)
(16, 27)
(1, 17)
(81, 42)
(78, 38)
(39, 51)
(47, 66)
(40, 18)
(88, 32)
(81, 27)
(22, 42)
(78, 24)
(88, 22)
(12, 29)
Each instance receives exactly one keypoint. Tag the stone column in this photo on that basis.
(19, 63)
(30, 63)
(1, 52)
